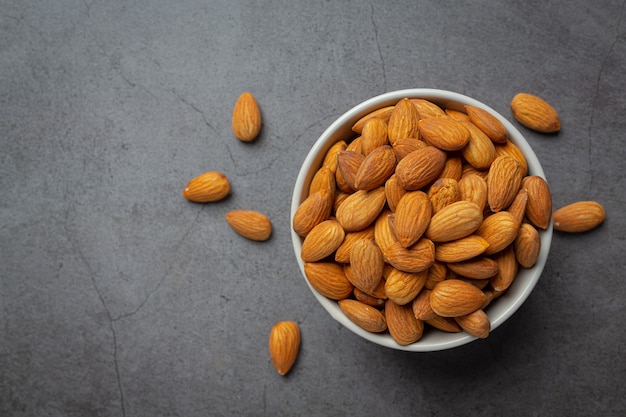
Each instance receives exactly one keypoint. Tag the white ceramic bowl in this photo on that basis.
(500, 309)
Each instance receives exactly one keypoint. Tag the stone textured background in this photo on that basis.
(120, 298)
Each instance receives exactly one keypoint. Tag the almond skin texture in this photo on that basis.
(420, 167)
(363, 315)
(500, 230)
(535, 113)
(444, 133)
(250, 224)
(246, 120)
(403, 122)
(453, 298)
(313, 210)
(476, 268)
(329, 279)
(322, 240)
(323, 180)
(383, 113)
(480, 150)
(445, 324)
(461, 249)
(412, 217)
(473, 188)
(426, 108)
(342, 255)
(376, 168)
(476, 324)
(348, 163)
(360, 209)
(488, 123)
(507, 269)
(503, 183)
(421, 306)
(578, 217)
(454, 221)
(366, 261)
(383, 231)
(402, 287)
(374, 135)
(539, 205)
(403, 327)
(208, 187)
(330, 159)
(394, 192)
(444, 192)
(527, 245)
(284, 345)
(416, 258)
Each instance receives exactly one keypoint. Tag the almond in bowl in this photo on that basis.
(406, 214)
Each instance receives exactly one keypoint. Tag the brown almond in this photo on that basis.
(527, 245)
(476, 324)
(366, 262)
(376, 168)
(457, 115)
(412, 216)
(420, 167)
(383, 114)
(356, 145)
(426, 108)
(384, 235)
(510, 149)
(284, 345)
(535, 113)
(403, 121)
(445, 324)
(454, 221)
(444, 192)
(402, 287)
(453, 298)
(539, 206)
(488, 123)
(393, 192)
(208, 187)
(374, 135)
(403, 147)
(313, 210)
(421, 306)
(480, 151)
(330, 158)
(323, 180)
(328, 279)
(403, 327)
(444, 133)
(246, 118)
(477, 268)
(503, 182)
(453, 168)
(360, 209)
(437, 272)
(461, 249)
(348, 163)
(507, 269)
(342, 255)
(519, 204)
(322, 241)
(250, 224)
(580, 216)
(368, 299)
(415, 258)
(500, 230)
(363, 315)
(474, 188)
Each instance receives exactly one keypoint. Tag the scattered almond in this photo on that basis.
(284, 345)
(208, 187)
(580, 216)
(250, 224)
(535, 113)
(246, 120)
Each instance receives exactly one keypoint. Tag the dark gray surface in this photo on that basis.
(120, 298)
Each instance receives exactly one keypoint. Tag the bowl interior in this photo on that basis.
(500, 309)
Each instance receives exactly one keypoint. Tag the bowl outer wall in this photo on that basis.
(500, 309)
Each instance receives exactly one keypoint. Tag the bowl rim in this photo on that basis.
(507, 304)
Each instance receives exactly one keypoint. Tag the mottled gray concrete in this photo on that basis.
(120, 298)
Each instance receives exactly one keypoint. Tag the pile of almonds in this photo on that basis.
(422, 218)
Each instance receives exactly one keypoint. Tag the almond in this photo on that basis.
(342, 255)
(402, 287)
(374, 135)
(403, 121)
(412, 216)
(453, 168)
(420, 167)
(580, 216)
(348, 163)
(444, 133)
(393, 192)
(384, 235)
(313, 210)
(383, 113)
(421, 306)
(356, 145)
(284, 345)
(403, 147)
(415, 258)
(500, 230)
(426, 108)
(363, 315)
(328, 279)
(445, 324)
(376, 168)
(473, 188)
(403, 327)
(323, 180)
(368, 299)
(443, 192)
(454, 221)
(480, 151)
(488, 123)
(250, 224)
(436, 273)
(510, 149)
(453, 298)
(360, 209)
(457, 115)
(322, 241)
(461, 249)
(503, 183)
(518, 206)
(377, 292)
(535, 113)
(539, 206)
(476, 268)
(330, 158)
(527, 245)
(507, 269)
(246, 120)
(476, 324)
(366, 262)
(208, 187)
